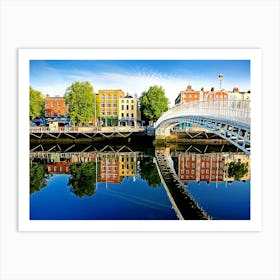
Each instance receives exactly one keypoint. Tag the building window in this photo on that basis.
(192, 171)
(58, 103)
(52, 104)
(102, 105)
(132, 115)
(58, 113)
(193, 165)
(108, 96)
(202, 171)
(122, 107)
(187, 171)
(108, 105)
(46, 113)
(207, 171)
(114, 96)
(55, 169)
(49, 168)
(114, 105)
(127, 115)
(203, 164)
(52, 114)
(132, 107)
(122, 115)
(127, 107)
(122, 101)
(127, 100)
(114, 113)
(60, 168)
(102, 96)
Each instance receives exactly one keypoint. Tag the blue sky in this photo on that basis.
(135, 76)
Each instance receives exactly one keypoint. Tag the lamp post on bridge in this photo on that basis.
(221, 77)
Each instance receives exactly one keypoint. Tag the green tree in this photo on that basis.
(80, 97)
(149, 173)
(237, 170)
(38, 177)
(36, 103)
(83, 178)
(153, 103)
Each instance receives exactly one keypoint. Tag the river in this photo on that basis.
(121, 182)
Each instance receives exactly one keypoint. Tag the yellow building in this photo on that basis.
(107, 106)
(128, 111)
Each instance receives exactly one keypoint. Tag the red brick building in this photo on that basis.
(55, 107)
(188, 95)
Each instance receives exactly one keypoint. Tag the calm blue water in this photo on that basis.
(223, 201)
(67, 186)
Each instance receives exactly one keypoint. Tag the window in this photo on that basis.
(122, 115)
(192, 171)
(122, 101)
(55, 169)
(187, 171)
(114, 96)
(60, 168)
(114, 105)
(207, 171)
(102, 96)
(49, 168)
(108, 96)
(108, 105)
(203, 164)
(190, 96)
(193, 165)
(207, 164)
(52, 114)
(58, 103)
(202, 171)
(58, 113)
(114, 113)
(122, 107)
(67, 168)
(46, 113)
(182, 171)
(52, 104)
(127, 107)
(127, 100)
(132, 107)
(127, 115)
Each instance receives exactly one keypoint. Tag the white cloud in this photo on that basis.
(131, 82)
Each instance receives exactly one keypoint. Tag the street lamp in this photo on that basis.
(221, 76)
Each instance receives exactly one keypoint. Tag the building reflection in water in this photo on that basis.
(213, 167)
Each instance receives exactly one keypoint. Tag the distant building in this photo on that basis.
(55, 107)
(188, 95)
(107, 106)
(128, 110)
(56, 111)
(62, 167)
(216, 95)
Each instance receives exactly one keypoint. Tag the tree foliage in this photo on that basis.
(149, 173)
(153, 103)
(80, 97)
(83, 179)
(36, 103)
(237, 170)
(37, 177)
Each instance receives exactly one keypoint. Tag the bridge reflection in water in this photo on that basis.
(112, 164)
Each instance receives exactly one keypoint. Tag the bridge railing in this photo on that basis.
(237, 110)
(42, 129)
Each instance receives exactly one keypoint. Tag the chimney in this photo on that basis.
(189, 87)
(47, 95)
(212, 89)
(235, 89)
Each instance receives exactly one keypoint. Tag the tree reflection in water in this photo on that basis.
(148, 172)
(38, 177)
(83, 179)
(237, 170)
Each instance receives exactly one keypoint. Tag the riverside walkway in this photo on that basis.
(184, 205)
(85, 132)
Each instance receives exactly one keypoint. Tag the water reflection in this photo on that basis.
(122, 182)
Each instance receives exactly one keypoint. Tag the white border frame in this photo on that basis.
(24, 57)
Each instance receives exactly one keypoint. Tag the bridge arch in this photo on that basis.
(228, 119)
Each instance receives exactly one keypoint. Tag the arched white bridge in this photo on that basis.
(228, 119)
